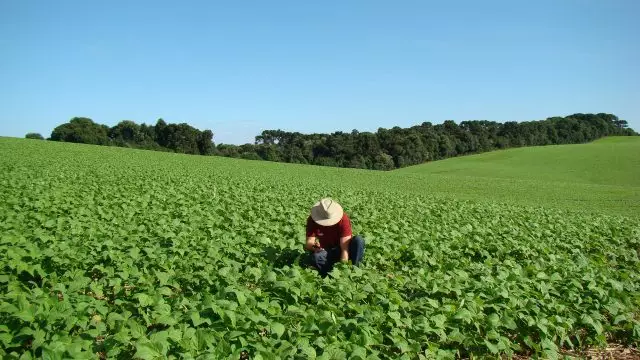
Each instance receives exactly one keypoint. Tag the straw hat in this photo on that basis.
(326, 212)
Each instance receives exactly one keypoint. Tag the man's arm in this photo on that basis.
(344, 248)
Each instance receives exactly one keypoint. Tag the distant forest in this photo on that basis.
(386, 149)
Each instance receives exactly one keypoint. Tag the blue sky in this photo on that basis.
(239, 67)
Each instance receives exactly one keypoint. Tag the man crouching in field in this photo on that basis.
(329, 224)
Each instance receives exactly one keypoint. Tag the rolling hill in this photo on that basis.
(600, 176)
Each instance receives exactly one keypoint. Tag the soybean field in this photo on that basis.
(118, 253)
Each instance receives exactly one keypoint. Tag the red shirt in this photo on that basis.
(329, 236)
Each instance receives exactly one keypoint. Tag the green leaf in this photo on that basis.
(358, 353)
(492, 348)
(144, 300)
(137, 330)
(277, 328)
(494, 320)
(174, 334)
(163, 277)
(149, 350)
(113, 318)
(50, 354)
(5, 339)
(394, 315)
(27, 356)
(463, 314)
(231, 315)
(619, 319)
(38, 338)
(195, 318)
(588, 320)
(307, 350)
(165, 291)
(439, 320)
(240, 297)
(203, 339)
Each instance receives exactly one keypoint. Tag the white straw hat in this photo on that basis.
(326, 212)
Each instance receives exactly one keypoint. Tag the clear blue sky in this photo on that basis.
(239, 67)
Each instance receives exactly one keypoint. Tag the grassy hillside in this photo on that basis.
(599, 176)
(141, 254)
(609, 161)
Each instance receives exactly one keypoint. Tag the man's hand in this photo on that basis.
(344, 248)
(344, 256)
(313, 245)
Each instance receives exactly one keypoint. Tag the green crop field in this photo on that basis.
(608, 161)
(119, 253)
(603, 176)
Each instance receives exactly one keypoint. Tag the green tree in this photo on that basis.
(205, 142)
(383, 161)
(82, 130)
(269, 152)
(36, 136)
(127, 133)
(228, 150)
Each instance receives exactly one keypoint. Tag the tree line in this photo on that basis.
(181, 138)
(385, 149)
(388, 149)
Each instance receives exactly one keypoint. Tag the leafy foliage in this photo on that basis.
(148, 255)
(180, 138)
(81, 130)
(35, 136)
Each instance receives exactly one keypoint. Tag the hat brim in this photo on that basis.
(317, 217)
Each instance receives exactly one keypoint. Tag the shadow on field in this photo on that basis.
(281, 257)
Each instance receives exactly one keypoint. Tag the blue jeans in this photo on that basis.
(325, 259)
